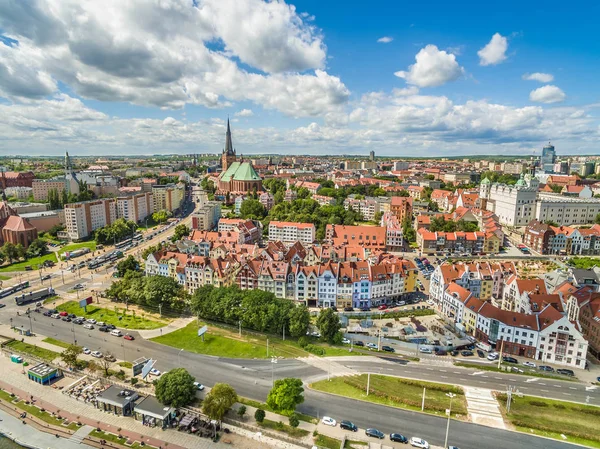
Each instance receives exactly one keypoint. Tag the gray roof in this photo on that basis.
(151, 407)
(116, 396)
(592, 275)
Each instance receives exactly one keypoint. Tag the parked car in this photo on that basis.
(96, 354)
(56, 316)
(345, 341)
(47, 313)
(103, 329)
(66, 318)
(508, 359)
(566, 372)
(454, 353)
(425, 350)
(348, 425)
(374, 433)
(419, 442)
(358, 343)
(388, 349)
(466, 353)
(86, 351)
(328, 421)
(382, 307)
(371, 346)
(78, 287)
(155, 372)
(439, 351)
(493, 356)
(199, 386)
(91, 321)
(348, 309)
(398, 438)
(546, 368)
(529, 364)
(480, 353)
(365, 309)
(89, 326)
(128, 337)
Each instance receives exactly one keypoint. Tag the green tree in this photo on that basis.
(303, 193)
(556, 188)
(299, 319)
(403, 193)
(161, 216)
(278, 197)
(10, 252)
(218, 402)
(294, 420)
(54, 230)
(127, 264)
(37, 248)
(259, 415)
(180, 231)
(329, 324)
(597, 219)
(175, 388)
(163, 290)
(252, 209)
(20, 249)
(241, 411)
(286, 395)
(70, 355)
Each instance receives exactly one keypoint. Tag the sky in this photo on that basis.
(436, 78)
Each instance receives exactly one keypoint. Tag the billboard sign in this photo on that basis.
(147, 367)
(138, 365)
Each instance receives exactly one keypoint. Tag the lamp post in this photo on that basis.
(179, 357)
(73, 330)
(30, 324)
(451, 396)
(273, 362)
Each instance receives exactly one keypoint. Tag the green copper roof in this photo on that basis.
(521, 181)
(240, 171)
(485, 180)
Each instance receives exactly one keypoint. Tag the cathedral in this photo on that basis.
(237, 176)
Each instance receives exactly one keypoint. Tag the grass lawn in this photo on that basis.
(126, 365)
(506, 369)
(552, 418)
(31, 409)
(281, 427)
(396, 392)
(354, 443)
(34, 262)
(264, 406)
(108, 437)
(225, 343)
(74, 246)
(35, 351)
(128, 321)
(328, 442)
(51, 299)
(5, 396)
(4, 278)
(55, 342)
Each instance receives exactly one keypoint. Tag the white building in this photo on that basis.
(513, 205)
(289, 232)
(136, 207)
(207, 217)
(20, 193)
(566, 210)
(81, 219)
(367, 207)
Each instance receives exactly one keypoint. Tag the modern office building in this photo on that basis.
(548, 158)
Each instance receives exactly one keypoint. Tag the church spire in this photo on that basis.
(228, 144)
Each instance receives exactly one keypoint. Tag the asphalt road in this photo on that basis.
(252, 379)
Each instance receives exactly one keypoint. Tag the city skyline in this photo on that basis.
(295, 78)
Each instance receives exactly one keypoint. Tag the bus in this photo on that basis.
(37, 295)
(13, 289)
(124, 243)
(138, 236)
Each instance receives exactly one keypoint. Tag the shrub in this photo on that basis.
(259, 415)
(241, 411)
(294, 420)
(538, 403)
(314, 349)
(134, 380)
(303, 341)
(279, 425)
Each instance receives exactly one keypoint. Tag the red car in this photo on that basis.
(63, 313)
(128, 337)
(382, 307)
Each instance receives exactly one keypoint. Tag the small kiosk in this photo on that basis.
(43, 374)
(116, 400)
(154, 414)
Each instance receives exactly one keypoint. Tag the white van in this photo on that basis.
(116, 332)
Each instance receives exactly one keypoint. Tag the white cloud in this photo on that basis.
(385, 40)
(163, 54)
(547, 94)
(433, 67)
(537, 76)
(244, 113)
(494, 52)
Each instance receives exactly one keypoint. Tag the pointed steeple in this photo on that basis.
(228, 143)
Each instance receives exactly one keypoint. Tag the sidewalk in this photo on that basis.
(179, 323)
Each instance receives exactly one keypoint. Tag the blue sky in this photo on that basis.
(297, 78)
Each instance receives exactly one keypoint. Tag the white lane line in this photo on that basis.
(498, 378)
(542, 383)
(443, 371)
(456, 372)
(429, 369)
(545, 391)
(485, 376)
(572, 388)
(444, 377)
(464, 380)
(567, 394)
(556, 386)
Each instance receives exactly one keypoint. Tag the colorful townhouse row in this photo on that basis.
(517, 316)
(322, 276)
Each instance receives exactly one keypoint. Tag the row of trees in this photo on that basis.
(161, 216)
(255, 309)
(440, 224)
(11, 252)
(57, 199)
(115, 232)
(150, 292)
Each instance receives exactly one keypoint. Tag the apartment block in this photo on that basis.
(207, 217)
(81, 219)
(168, 197)
(136, 207)
(289, 232)
(367, 207)
(41, 187)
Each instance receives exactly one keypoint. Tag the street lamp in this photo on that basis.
(273, 362)
(179, 357)
(451, 396)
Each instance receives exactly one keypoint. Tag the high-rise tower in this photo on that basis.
(548, 159)
(228, 157)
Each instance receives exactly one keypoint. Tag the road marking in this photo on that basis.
(477, 373)
(464, 380)
(567, 394)
(542, 383)
(533, 379)
(572, 388)
(429, 369)
(485, 376)
(456, 372)
(498, 378)
(591, 388)
(444, 377)
(556, 386)
(545, 391)
(444, 371)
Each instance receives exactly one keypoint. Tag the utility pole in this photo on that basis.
(240, 323)
(267, 347)
(509, 393)
(423, 401)
(368, 382)
(30, 325)
(284, 332)
(160, 309)
(500, 355)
